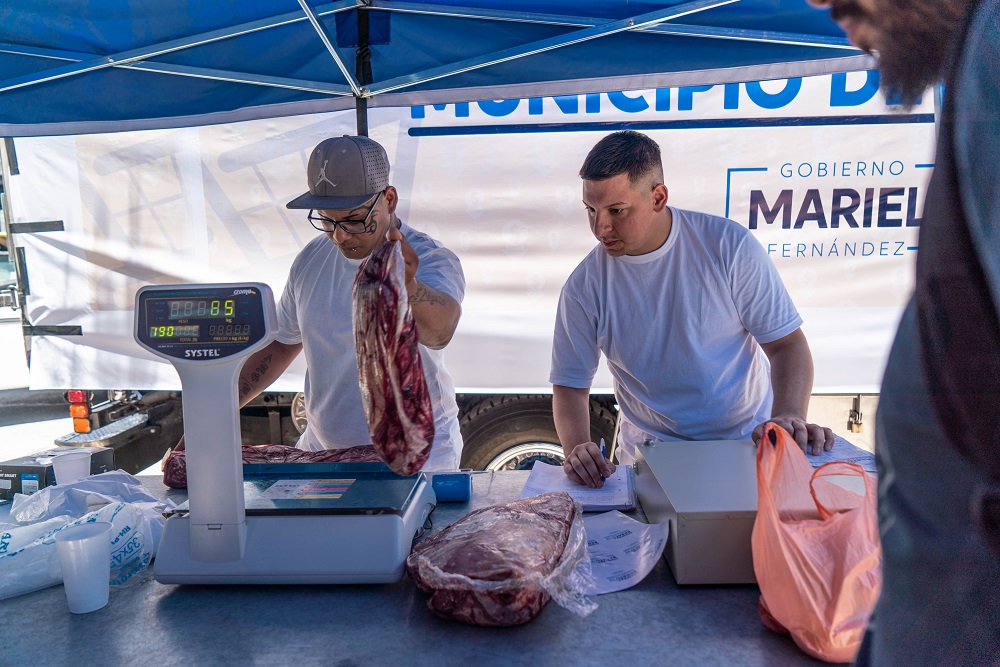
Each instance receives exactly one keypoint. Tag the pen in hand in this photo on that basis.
(604, 456)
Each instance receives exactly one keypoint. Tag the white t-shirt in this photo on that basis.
(678, 327)
(316, 309)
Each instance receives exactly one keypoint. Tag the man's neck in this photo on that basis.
(667, 223)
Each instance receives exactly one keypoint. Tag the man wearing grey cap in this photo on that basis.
(351, 202)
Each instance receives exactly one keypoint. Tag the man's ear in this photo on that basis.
(391, 199)
(660, 196)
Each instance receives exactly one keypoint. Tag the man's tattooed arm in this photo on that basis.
(250, 377)
(264, 367)
(425, 294)
(435, 313)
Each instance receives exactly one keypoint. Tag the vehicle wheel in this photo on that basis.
(299, 412)
(512, 432)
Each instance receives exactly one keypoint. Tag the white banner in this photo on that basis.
(828, 177)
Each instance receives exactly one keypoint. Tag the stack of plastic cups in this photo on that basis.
(71, 466)
(85, 557)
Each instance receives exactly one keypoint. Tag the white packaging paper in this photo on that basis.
(622, 550)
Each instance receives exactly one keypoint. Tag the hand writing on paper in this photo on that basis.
(586, 465)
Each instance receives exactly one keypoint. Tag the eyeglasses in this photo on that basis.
(351, 226)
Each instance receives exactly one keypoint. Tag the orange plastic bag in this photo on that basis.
(816, 550)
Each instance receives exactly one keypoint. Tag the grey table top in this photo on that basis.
(148, 623)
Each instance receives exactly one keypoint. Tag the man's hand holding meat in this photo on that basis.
(353, 206)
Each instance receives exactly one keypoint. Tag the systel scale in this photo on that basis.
(284, 523)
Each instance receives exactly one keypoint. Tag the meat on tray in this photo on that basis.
(488, 567)
(394, 391)
(174, 465)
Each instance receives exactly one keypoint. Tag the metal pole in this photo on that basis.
(361, 106)
(8, 168)
(363, 71)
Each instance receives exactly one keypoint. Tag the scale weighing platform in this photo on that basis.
(285, 523)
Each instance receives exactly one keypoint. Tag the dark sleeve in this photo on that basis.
(977, 145)
(977, 154)
(956, 290)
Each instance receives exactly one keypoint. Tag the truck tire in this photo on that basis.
(299, 412)
(512, 432)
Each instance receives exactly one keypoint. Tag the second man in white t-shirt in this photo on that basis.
(702, 340)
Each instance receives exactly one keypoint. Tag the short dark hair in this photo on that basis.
(626, 152)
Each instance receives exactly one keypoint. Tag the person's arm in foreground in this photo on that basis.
(584, 462)
(261, 369)
(791, 382)
(435, 313)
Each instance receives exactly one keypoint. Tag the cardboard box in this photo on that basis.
(29, 474)
(707, 491)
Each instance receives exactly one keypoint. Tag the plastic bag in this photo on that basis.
(80, 497)
(500, 565)
(816, 550)
(28, 558)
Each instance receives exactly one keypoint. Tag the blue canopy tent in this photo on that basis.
(83, 66)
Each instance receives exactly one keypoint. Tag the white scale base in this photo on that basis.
(302, 549)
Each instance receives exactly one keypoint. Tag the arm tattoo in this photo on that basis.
(247, 384)
(426, 295)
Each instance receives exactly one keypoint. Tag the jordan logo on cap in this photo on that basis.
(322, 176)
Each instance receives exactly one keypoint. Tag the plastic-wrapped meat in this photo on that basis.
(393, 387)
(500, 565)
(174, 464)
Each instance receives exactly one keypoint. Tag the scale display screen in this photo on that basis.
(202, 322)
(196, 309)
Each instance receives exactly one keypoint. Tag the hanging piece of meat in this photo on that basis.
(393, 387)
(500, 565)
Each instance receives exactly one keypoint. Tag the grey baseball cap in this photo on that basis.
(344, 173)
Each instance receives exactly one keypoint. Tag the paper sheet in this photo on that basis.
(615, 494)
(844, 451)
(622, 550)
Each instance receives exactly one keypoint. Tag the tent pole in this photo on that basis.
(363, 70)
(362, 110)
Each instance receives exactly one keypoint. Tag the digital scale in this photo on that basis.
(285, 523)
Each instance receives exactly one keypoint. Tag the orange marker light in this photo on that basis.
(79, 410)
(81, 425)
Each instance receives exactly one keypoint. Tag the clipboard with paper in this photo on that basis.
(618, 492)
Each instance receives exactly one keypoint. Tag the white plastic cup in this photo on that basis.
(71, 466)
(85, 558)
